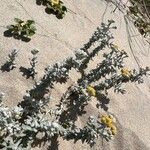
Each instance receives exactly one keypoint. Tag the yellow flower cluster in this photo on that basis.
(55, 2)
(23, 23)
(126, 73)
(91, 91)
(109, 121)
(115, 46)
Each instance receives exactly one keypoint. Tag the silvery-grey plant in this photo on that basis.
(32, 116)
(33, 62)
(18, 132)
(10, 64)
(31, 71)
(107, 70)
(59, 72)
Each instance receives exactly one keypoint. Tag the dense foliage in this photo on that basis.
(21, 126)
(54, 7)
(22, 29)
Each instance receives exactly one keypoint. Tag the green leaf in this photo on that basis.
(17, 20)
(30, 22)
(30, 33)
(32, 28)
(15, 29)
(34, 51)
(61, 2)
(64, 8)
(10, 27)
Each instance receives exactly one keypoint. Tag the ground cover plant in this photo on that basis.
(54, 7)
(21, 30)
(21, 126)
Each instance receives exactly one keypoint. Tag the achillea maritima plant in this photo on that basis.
(33, 62)
(33, 116)
(31, 71)
(10, 64)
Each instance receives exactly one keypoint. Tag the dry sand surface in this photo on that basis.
(57, 39)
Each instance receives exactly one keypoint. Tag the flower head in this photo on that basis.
(115, 46)
(113, 118)
(125, 73)
(91, 90)
(106, 120)
(109, 122)
(55, 2)
(113, 130)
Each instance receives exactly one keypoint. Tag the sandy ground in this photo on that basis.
(58, 39)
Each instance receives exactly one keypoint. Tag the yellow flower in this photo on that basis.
(113, 118)
(113, 129)
(125, 72)
(106, 120)
(103, 119)
(91, 91)
(55, 2)
(115, 46)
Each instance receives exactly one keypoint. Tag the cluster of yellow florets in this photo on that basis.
(115, 46)
(126, 73)
(109, 121)
(55, 2)
(91, 91)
